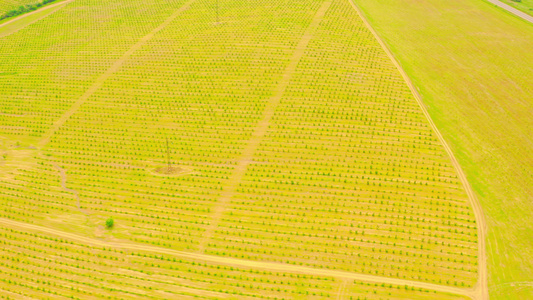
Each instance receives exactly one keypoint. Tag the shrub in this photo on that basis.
(109, 223)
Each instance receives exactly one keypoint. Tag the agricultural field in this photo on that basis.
(72, 268)
(57, 267)
(247, 149)
(485, 113)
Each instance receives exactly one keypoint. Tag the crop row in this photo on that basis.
(37, 265)
(46, 66)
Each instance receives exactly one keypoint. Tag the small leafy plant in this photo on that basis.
(109, 223)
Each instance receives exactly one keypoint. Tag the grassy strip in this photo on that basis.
(24, 9)
(523, 5)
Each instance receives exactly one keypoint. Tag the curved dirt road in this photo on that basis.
(481, 288)
(271, 266)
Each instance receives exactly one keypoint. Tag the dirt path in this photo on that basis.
(481, 288)
(63, 175)
(271, 266)
(512, 10)
(101, 80)
(262, 127)
(35, 11)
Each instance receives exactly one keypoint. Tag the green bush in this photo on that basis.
(109, 223)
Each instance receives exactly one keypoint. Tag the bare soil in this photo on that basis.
(168, 170)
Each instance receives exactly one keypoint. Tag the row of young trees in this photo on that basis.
(349, 175)
(55, 267)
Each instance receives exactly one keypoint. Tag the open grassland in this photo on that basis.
(472, 63)
(293, 139)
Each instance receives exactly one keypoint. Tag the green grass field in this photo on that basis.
(294, 143)
(474, 75)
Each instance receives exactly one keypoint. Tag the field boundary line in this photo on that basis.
(99, 82)
(35, 11)
(271, 266)
(481, 287)
(262, 126)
